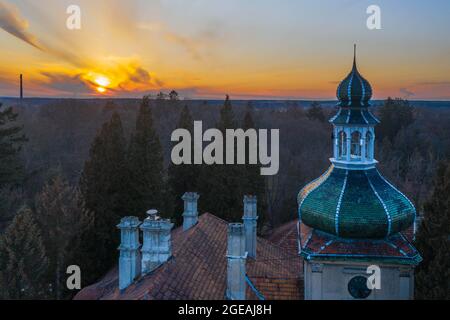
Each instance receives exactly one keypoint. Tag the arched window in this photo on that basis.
(355, 149)
(342, 144)
(369, 145)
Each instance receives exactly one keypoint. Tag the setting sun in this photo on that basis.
(102, 81)
(101, 89)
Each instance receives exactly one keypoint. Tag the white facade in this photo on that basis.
(326, 280)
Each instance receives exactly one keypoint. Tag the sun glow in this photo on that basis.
(101, 89)
(102, 81)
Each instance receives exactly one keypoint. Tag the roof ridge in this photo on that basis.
(209, 214)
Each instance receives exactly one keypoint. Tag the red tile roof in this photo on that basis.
(396, 248)
(197, 270)
(287, 236)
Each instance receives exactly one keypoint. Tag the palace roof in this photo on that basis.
(394, 249)
(198, 269)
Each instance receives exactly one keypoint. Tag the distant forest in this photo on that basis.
(409, 145)
(71, 146)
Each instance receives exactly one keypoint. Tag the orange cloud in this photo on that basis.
(117, 76)
(185, 42)
(14, 24)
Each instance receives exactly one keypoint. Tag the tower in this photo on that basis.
(355, 220)
(21, 87)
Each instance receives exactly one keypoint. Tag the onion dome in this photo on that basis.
(354, 91)
(357, 204)
(354, 94)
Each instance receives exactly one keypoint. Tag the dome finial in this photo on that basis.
(354, 56)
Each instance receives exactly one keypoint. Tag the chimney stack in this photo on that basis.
(236, 257)
(157, 245)
(250, 220)
(21, 86)
(129, 260)
(190, 214)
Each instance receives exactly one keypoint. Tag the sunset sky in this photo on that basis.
(267, 49)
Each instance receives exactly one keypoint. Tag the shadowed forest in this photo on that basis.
(72, 168)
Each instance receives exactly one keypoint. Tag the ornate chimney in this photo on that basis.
(250, 218)
(236, 257)
(157, 245)
(190, 214)
(130, 258)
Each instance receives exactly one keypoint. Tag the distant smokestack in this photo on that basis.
(21, 87)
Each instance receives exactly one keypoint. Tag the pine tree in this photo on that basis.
(60, 214)
(10, 202)
(433, 241)
(183, 178)
(145, 160)
(227, 117)
(11, 140)
(395, 114)
(173, 96)
(105, 189)
(23, 262)
(252, 182)
(315, 112)
(221, 187)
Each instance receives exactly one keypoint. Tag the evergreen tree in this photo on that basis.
(105, 188)
(252, 182)
(183, 178)
(10, 202)
(250, 172)
(11, 140)
(173, 96)
(161, 96)
(315, 112)
(145, 160)
(221, 187)
(23, 262)
(60, 214)
(395, 114)
(227, 117)
(433, 241)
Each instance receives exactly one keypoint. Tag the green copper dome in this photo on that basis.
(358, 204)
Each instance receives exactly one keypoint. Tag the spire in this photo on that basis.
(354, 56)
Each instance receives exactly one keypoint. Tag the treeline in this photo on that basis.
(72, 169)
(123, 175)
